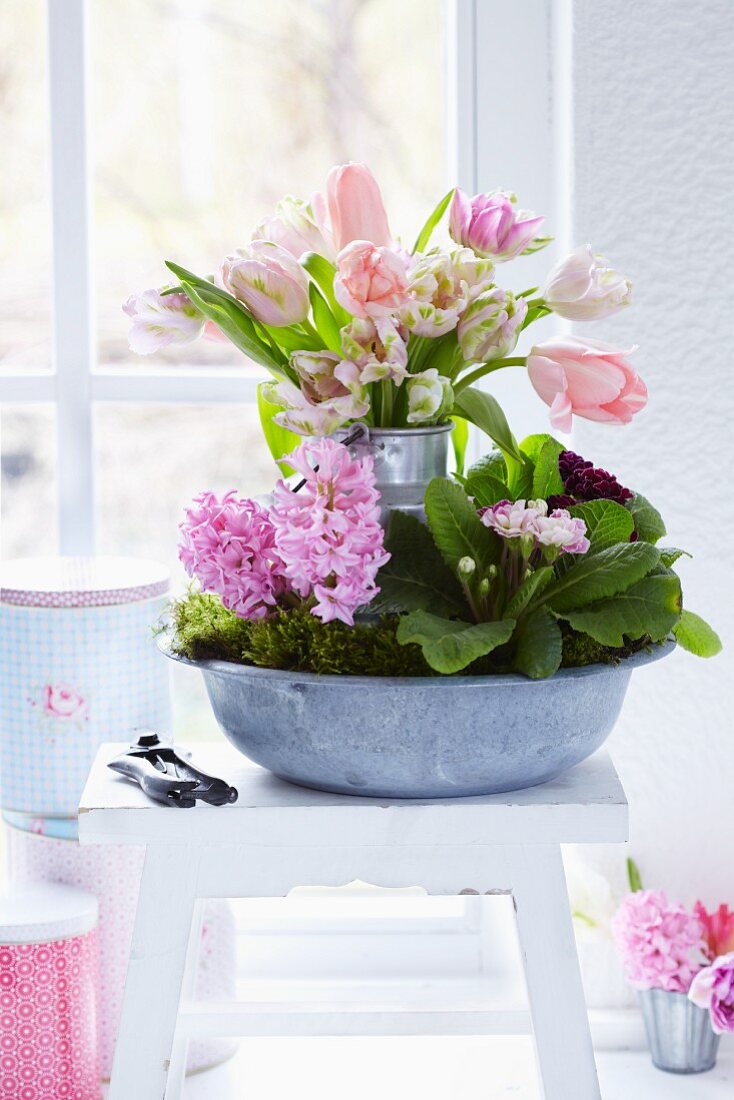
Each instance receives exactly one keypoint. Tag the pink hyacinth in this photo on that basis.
(662, 945)
(328, 534)
(713, 988)
(229, 546)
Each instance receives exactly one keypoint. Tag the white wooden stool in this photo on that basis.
(278, 836)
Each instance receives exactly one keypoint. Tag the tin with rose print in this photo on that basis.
(78, 666)
(48, 977)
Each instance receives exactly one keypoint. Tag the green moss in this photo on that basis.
(298, 641)
(202, 629)
(295, 640)
(579, 650)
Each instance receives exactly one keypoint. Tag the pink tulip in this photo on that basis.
(491, 225)
(585, 378)
(582, 288)
(370, 281)
(293, 226)
(159, 320)
(272, 285)
(353, 207)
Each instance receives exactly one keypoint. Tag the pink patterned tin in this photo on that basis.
(48, 975)
(78, 666)
(112, 874)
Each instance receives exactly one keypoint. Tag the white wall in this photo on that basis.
(653, 164)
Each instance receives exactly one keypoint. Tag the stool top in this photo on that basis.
(81, 582)
(45, 912)
(584, 805)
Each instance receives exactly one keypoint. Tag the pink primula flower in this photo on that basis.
(229, 546)
(370, 281)
(581, 377)
(559, 531)
(662, 945)
(713, 988)
(328, 534)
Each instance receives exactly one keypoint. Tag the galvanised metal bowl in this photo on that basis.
(433, 737)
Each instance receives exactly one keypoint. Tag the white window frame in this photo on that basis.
(532, 79)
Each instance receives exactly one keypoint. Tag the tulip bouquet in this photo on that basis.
(354, 327)
(664, 945)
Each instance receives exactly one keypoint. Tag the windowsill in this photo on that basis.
(433, 1070)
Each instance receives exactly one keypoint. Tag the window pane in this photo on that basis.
(150, 461)
(25, 226)
(230, 104)
(28, 515)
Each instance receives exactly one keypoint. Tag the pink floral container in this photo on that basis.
(112, 874)
(48, 974)
(78, 666)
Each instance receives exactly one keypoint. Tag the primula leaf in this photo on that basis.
(456, 528)
(606, 522)
(694, 634)
(532, 445)
(416, 576)
(651, 607)
(546, 479)
(324, 320)
(531, 587)
(448, 646)
(487, 490)
(432, 221)
(279, 440)
(231, 316)
(460, 441)
(539, 646)
(482, 409)
(600, 575)
(492, 463)
(647, 520)
(669, 555)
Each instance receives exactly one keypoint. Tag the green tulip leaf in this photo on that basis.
(432, 221)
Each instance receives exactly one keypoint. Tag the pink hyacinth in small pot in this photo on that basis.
(661, 943)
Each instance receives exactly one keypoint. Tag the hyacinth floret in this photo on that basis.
(661, 943)
(228, 544)
(328, 534)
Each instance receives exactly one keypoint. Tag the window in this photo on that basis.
(171, 127)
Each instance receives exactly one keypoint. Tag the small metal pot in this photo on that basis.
(405, 459)
(679, 1033)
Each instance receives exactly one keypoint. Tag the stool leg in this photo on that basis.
(177, 1069)
(155, 972)
(560, 1022)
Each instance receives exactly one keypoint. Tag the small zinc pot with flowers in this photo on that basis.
(377, 626)
(682, 963)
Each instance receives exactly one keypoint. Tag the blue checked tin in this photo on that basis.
(78, 666)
